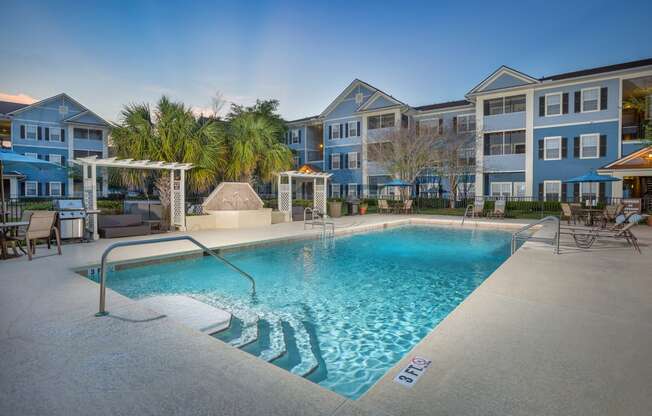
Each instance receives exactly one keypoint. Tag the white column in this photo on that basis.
(364, 156)
(13, 188)
(290, 198)
(314, 194)
(479, 150)
(172, 199)
(278, 192)
(71, 155)
(617, 187)
(89, 175)
(529, 143)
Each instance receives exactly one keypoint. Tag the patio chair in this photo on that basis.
(383, 206)
(567, 213)
(478, 209)
(407, 207)
(499, 209)
(41, 226)
(15, 243)
(586, 238)
(576, 210)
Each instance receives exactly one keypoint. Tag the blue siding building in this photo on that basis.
(531, 134)
(57, 129)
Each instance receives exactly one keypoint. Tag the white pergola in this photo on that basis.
(305, 173)
(177, 185)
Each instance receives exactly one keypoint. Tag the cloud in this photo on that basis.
(17, 98)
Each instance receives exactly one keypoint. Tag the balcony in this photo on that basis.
(637, 109)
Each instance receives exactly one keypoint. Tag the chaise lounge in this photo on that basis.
(129, 225)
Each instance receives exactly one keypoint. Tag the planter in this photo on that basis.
(335, 209)
(363, 209)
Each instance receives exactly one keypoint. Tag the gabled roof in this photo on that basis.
(299, 120)
(641, 159)
(599, 70)
(378, 94)
(441, 106)
(7, 107)
(503, 70)
(348, 90)
(54, 97)
(75, 118)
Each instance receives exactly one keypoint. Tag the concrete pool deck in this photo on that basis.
(545, 334)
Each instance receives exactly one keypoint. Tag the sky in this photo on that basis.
(107, 54)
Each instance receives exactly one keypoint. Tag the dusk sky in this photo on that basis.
(109, 53)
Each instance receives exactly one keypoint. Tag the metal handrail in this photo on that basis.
(103, 311)
(313, 221)
(466, 211)
(307, 210)
(554, 240)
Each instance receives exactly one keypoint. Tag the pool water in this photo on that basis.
(356, 304)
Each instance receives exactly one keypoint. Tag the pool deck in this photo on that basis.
(546, 334)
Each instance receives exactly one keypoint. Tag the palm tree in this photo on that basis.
(255, 148)
(170, 133)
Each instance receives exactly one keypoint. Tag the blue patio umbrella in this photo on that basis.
(14, 161)
(592, 177)
(397, 182)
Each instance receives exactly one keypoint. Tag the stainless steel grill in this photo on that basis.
(72, 217)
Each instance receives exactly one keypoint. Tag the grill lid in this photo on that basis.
(69, 204)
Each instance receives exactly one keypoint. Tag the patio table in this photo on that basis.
(590, 213)
(4, 228)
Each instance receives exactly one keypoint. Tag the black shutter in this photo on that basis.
(541, 141)
(63, 161)
(564, 147)
(330, 162)
(358, 159)
(47, 188)
(441, 126)
(541, 191)
(359, 189)
(346, 161)
(63, 135)
(40, 133)
(341, 130)
(22, 131)
(486, 107)
(47, 133)
(46, 157)
(358, 129)
(578, 101)
(22, 188)
(542, 106)
(41, 189)
(341, 189)
(576, 192)
(564, 103)
(487, 145)
(564, 192)
(604, 96)
(455, 124)
(603, 145)
(330, 132)
(300, 135)
(576, 147)
(346, 130)
(63, 188)
(601, 190)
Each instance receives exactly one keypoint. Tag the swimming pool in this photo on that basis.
(340, 311)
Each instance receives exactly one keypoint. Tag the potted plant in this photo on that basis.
(363, 207)
(335, 208)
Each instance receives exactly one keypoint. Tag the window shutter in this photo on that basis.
(22, 186)
(40, 132)
(541, 191)
(341, 130)
(603, 145)
(300, 131)
(576, 147)
(441, 126)
(46, 157)
(455, 124)
(601, 190)
(22, 131)
(47, 188)
(63, 135)
(564, 103)
(63, 161)
(576, 192)
(330, 162)
(564, 147)
(346, 161)
(604, 96)
(487, 147)
(578, 101)
(541, 149)
(564, 192)
(542, 106)
(358, 130)
(63, 188)
(486, 107)
(330, 132)
(341, 189)
(359, 189)
(358, 159)
(346, 129)
(47, 133)
(40, 189)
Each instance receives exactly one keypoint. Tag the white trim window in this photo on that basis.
(335, 131)
(519, 189)
(352, 189)
(552, 190)
(501, 189)
(335, 161)
(552, 148)
(31, 154)
(353, 129)
(466, 123)
(353, 160)
(590, 99)
(54, 158)
(429, 126)
(589, 146)
(55, 188)
(589, 190)
(553, 104)
(31, 132)
(335, 190)
(295, 136)
(31, 188)
(55, 134)
(381, 121)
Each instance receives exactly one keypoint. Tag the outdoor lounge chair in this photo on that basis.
(499, 209)
(478, 209)
(407, 207)
(567, 213)
(383, 206)
(586, 238)
(41, 226)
